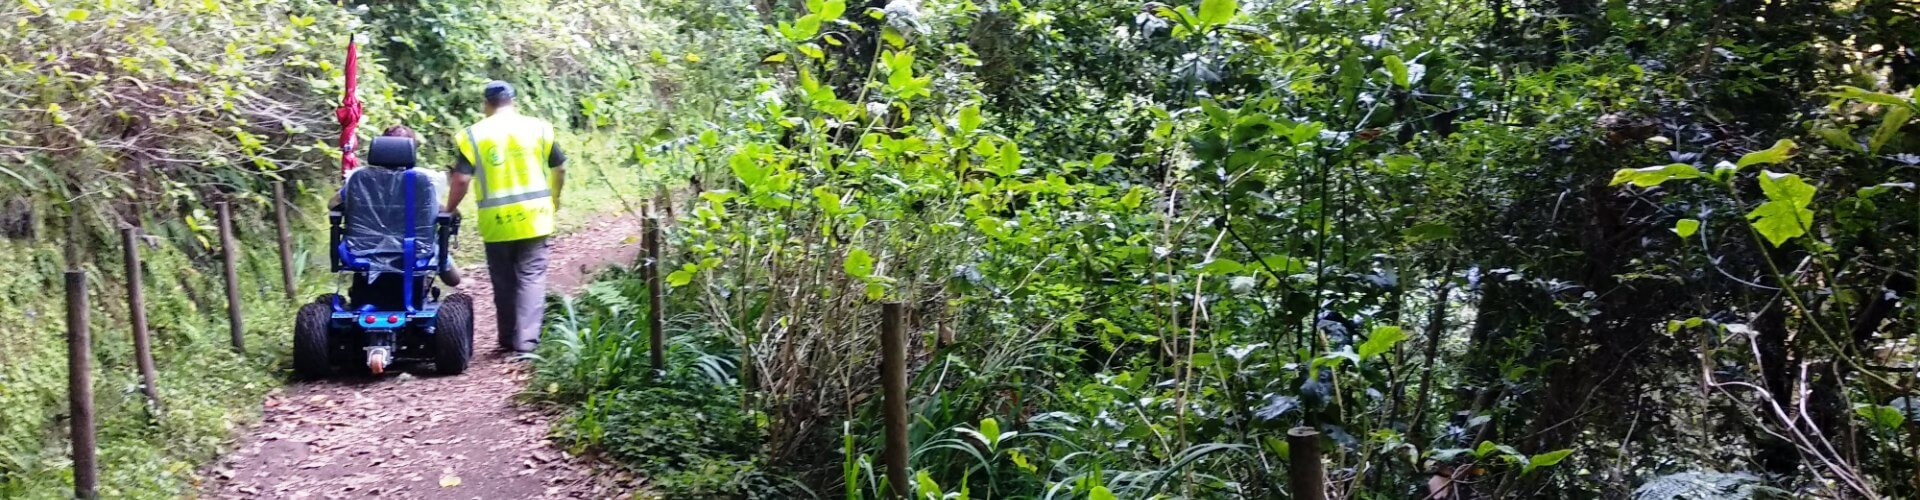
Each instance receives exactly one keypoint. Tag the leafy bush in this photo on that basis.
(686, 430)
(1160, 235)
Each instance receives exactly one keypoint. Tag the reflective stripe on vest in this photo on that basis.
(509, 155)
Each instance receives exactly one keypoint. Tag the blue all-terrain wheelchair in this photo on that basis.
(388, 236)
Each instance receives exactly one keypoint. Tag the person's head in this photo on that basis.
(400, 131)
(499, 95)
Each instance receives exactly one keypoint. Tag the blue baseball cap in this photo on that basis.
(499, 91)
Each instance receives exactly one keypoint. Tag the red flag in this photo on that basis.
(349, 113)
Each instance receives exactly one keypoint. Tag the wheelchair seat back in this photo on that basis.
(389, 212)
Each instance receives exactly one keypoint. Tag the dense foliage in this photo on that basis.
(1139, 242)
(142, 114)
(1520, 248)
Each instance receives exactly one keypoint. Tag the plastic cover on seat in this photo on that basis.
(389, 211)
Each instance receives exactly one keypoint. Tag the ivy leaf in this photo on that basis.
(1889, 126)
(1381, 340)
(858, 264)
(1686, 228)
(1101, 493)
(78, 15)
(1216, 12)
(1781, 151)
(1654, 176)
(776, 58)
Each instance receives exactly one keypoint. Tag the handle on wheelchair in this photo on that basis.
(448, 224)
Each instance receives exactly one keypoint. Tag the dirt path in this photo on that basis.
(404, 436)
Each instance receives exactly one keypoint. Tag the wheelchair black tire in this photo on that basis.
(310, 347)
(453, 335)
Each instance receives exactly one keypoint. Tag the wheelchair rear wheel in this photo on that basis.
(310, 348)
(453, 334)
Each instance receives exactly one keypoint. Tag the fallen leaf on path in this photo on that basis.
(449, 481)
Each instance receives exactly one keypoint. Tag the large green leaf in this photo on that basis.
(1654, 176)
(1781, 151)
(1216, 12)
(1547, 459)
(1786, 212)
(831, 9)
(1686, 228)
(1222, 266)
(1884, 417)
(1779, 222)
(1788, 188)
(969, 119)
(1785, 215)
(1839, 139)
(1864, 95)
(1397, 69)
(990, 431)
(1889, 126)
(858, 264)
(1382, 340)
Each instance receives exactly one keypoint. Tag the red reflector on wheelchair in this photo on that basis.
(368, 320)
(395, 319)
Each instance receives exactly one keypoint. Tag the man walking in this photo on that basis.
(519, 171)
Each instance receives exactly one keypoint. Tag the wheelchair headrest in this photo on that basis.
(391, 152)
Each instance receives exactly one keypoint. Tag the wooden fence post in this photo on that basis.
(137, 312)
(893, 382)
(1307, 477)
(80, 385)
(236, 327)
(286, 240)
(656, 307)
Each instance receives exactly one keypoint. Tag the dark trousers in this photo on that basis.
(519, 272)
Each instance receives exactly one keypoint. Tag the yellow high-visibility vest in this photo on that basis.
(508, 152)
